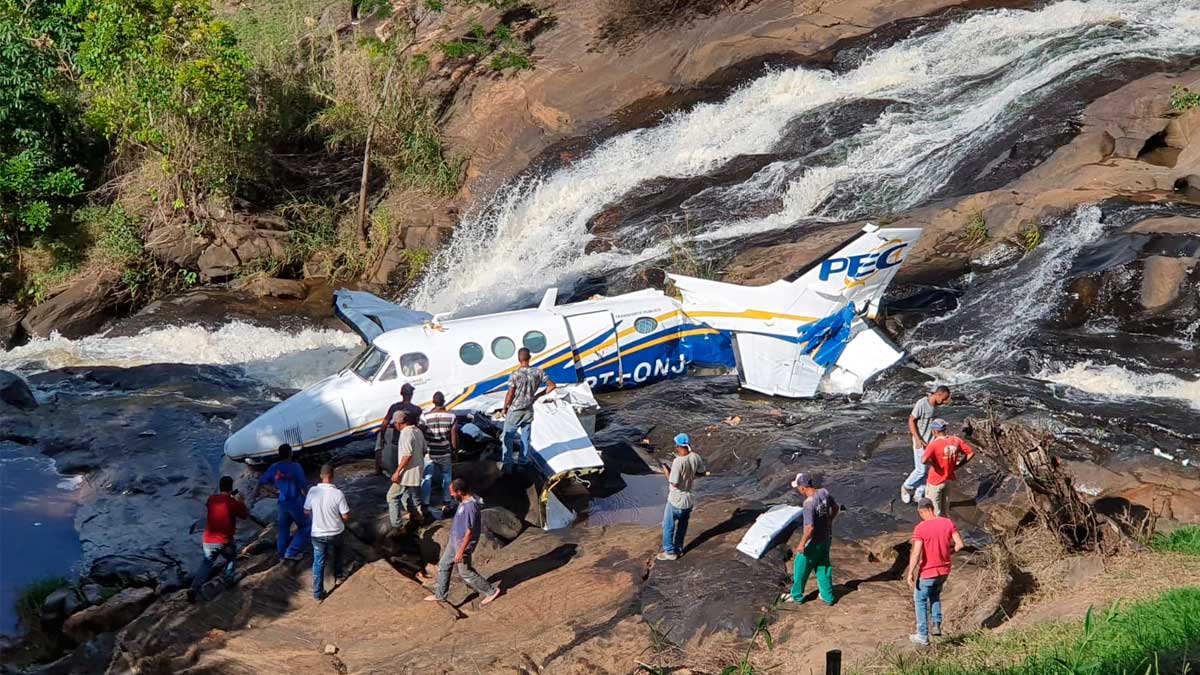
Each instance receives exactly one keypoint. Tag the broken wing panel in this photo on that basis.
(867, 354)
(369, 315)
(767, 527)
(560, 443)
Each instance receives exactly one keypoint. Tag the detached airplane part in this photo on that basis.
(767, 527)
(789, 338)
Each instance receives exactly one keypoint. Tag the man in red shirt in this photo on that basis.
(943, 454)
(224, 510)
(931, 550)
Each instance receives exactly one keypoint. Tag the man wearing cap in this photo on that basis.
(919, 420)
(943, 454)
(812, 553)
(680, 501)
(934, 540)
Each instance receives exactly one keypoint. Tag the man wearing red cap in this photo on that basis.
(812, 554)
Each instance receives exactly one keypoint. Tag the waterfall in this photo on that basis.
(957, 88)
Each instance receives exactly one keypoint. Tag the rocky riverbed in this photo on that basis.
(1087, 331)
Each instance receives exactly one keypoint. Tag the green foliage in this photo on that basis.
(745, 666)
(1030, 235)
(506, 49)
(118, 245)
(163, 76)
(30, 599)
(40, 143)
(1150, 637)
(975, 232)
(1183, 98)
(1184, 539)
(407, 139)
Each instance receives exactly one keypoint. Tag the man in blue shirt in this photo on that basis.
(291, 483)
(464, 535)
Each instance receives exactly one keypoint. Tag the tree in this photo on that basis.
(41, 144)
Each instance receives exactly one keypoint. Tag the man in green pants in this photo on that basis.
(812, 554)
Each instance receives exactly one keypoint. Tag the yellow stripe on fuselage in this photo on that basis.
(753, 314)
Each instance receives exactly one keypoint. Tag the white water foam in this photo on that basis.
(278, 358)
(1004, 307)
(1112, 381)
(963, 85)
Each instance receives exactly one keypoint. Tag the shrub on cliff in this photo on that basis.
(163, 77)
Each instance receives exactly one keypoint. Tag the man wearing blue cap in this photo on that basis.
(680, 501)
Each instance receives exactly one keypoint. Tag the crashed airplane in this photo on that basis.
(784, 339)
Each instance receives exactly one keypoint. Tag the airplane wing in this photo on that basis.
(370, 315)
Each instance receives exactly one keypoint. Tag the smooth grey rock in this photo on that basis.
(14, 392)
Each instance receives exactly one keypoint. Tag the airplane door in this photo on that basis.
(597, 352)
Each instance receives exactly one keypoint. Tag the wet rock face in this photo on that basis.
(149, 443)
(117, 611)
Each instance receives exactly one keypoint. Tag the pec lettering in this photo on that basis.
(858, 266)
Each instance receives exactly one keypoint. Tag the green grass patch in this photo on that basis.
(1153, 637)
(1183, 98)
(976, 232)
(31, 598)
(1184, 539)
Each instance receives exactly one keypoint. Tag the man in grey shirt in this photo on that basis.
(680, 501)
(919, 420)
(404, 495)
(523, 386)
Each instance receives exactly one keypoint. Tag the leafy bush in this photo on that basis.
(1184, 539)
(40, 142)
(507, 50)
(1183, 98)
(162, 76)
(975, 232)
(1030, 235)
(31, 598)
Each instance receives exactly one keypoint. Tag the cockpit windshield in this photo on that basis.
(367, 364)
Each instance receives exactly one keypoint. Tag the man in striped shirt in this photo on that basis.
(441, 435)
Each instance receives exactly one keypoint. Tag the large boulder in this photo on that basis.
(1162, 278)
(59, 605)
(79, 310)
(117, 611)
(14, 392)
(217, 262)
(176, 243)
(501, 522)
(262, 286)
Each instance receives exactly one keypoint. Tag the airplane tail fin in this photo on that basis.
(859, 269)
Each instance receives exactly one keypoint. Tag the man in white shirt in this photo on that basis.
(326, 506)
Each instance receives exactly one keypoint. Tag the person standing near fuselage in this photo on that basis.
(523, 386)
(923, 412)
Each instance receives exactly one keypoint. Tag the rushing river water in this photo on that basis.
(917, 119)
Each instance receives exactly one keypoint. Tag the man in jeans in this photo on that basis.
(464, 535)
(680, 501)
(291, 483)
(934, 540)
(386, 439)
(441, 436)
(405, 493)
(327, 507)
(944, 454)
(523, 386)
(919, 420)
(224, 509)
(812, 553)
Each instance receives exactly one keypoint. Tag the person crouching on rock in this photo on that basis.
(405, 493)
(812, 553)
(931, 550)
(464, 535)
(327, 507)
(224, 510)
(943, 454)
(680, 501)
(291, 483)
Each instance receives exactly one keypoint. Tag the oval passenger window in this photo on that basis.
(471, 353)
(414, 364)
(503, 348)
(645, 324)
(534, 341)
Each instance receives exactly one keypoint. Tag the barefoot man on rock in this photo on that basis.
(464, 535)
